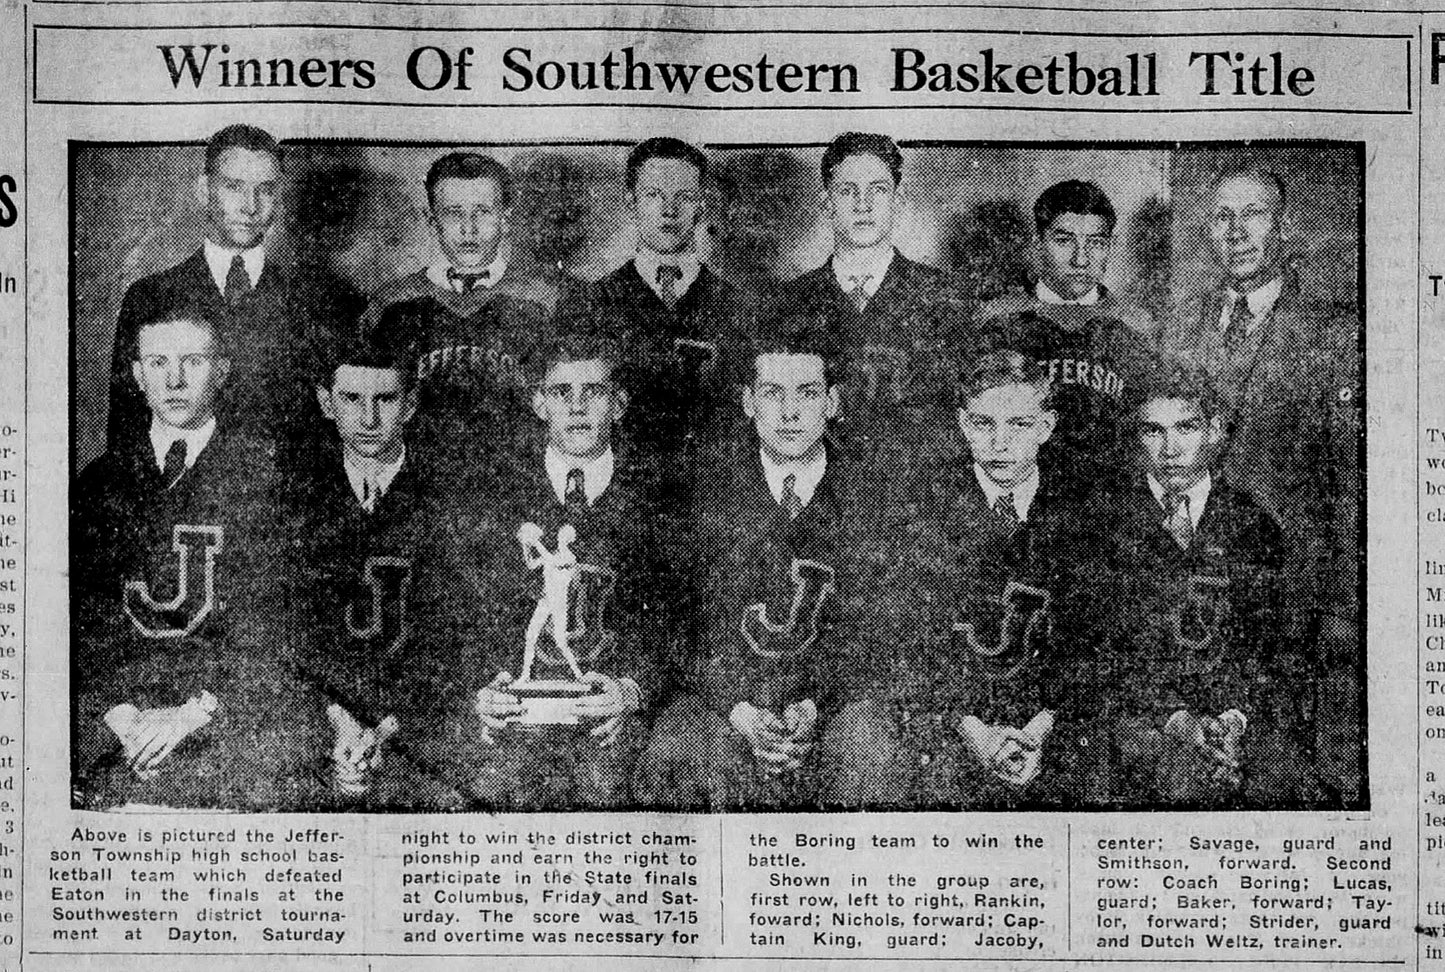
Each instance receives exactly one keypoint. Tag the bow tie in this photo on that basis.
(468, 281)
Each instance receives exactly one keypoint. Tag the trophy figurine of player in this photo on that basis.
(549, 701)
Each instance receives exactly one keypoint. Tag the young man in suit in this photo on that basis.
(676, 316)
(787, 539)
(182, 693)
(896, 319)
(576, 508)
(1286, 360)
(993, 687)
(270, 312)
(1074, 224)
(477, 309)
(1202, 676)
(374, 562)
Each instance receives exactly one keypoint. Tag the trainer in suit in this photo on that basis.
(997, 687)
(1074, 223)
(573, 482)
(270, 312)
(788, 539)
(477, 309)
(897, 319)
(374, 563)
(180, 678)
(675, 315)
(1202, 682)
(1286, 362)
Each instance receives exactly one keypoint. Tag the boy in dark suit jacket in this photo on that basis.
(785, 545)
(677, 318)
(995, 691)
(574, 497)
(896, 319)
(271, 313)
(181, 691)
(374, 562)
(1202, 676)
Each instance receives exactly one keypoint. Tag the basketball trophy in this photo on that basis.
(549, 701)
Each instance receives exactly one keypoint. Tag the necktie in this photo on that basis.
(238, 281)
(174, 466)
(790, 500)
(465, 283)
(1177, 520)
(574, 495)
(1007, 512)
(667, 280)
(1240, 319)
(858, 290)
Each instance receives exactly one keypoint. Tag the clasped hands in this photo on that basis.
(150, 735)
(779, 744)
(1011, 754)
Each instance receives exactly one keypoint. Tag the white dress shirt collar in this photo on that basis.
(1261, 302)
(596, 473)
(1046, 295)
(371, 479)
(808, 474)
(1198, 496)
(163, 436)
(491, 273)
(688, 264)
(219, 258)
(1023, 493)
(851, 265)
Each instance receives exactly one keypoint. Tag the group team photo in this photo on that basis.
(864, 475)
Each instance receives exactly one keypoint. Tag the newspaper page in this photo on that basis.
(903, 485)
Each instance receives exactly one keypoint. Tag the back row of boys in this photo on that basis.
(827, 704)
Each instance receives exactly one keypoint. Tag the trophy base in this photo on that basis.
(548, 703)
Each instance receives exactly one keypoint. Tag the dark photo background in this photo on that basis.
(361, 210)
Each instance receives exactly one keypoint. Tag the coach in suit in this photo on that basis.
(896, 319)
(270, 312)
(997, 688)
(182, 692)
(675, 315)
(1286, 363)
(1202, 677)
(789, 535)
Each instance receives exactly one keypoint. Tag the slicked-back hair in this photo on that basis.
(186, 314)
(797, 332)
(468, 165)
(664, 147)
(1177, 380)
(1073, 196)
(862, 143)
(247, 137)
(1263, 176)
(998, 368)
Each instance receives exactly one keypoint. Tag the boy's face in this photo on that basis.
(580, 403)
(667, 203)
(1004, 428)
(180, 372)
(1179, 442)
(370, 407)
(790, 403)
(862, 202)
(469, 220)
(1073, 251)
(1245, 231)
(240, 196)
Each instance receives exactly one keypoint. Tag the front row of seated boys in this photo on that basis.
(381, 632)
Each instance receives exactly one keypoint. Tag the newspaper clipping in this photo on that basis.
(721, 485)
